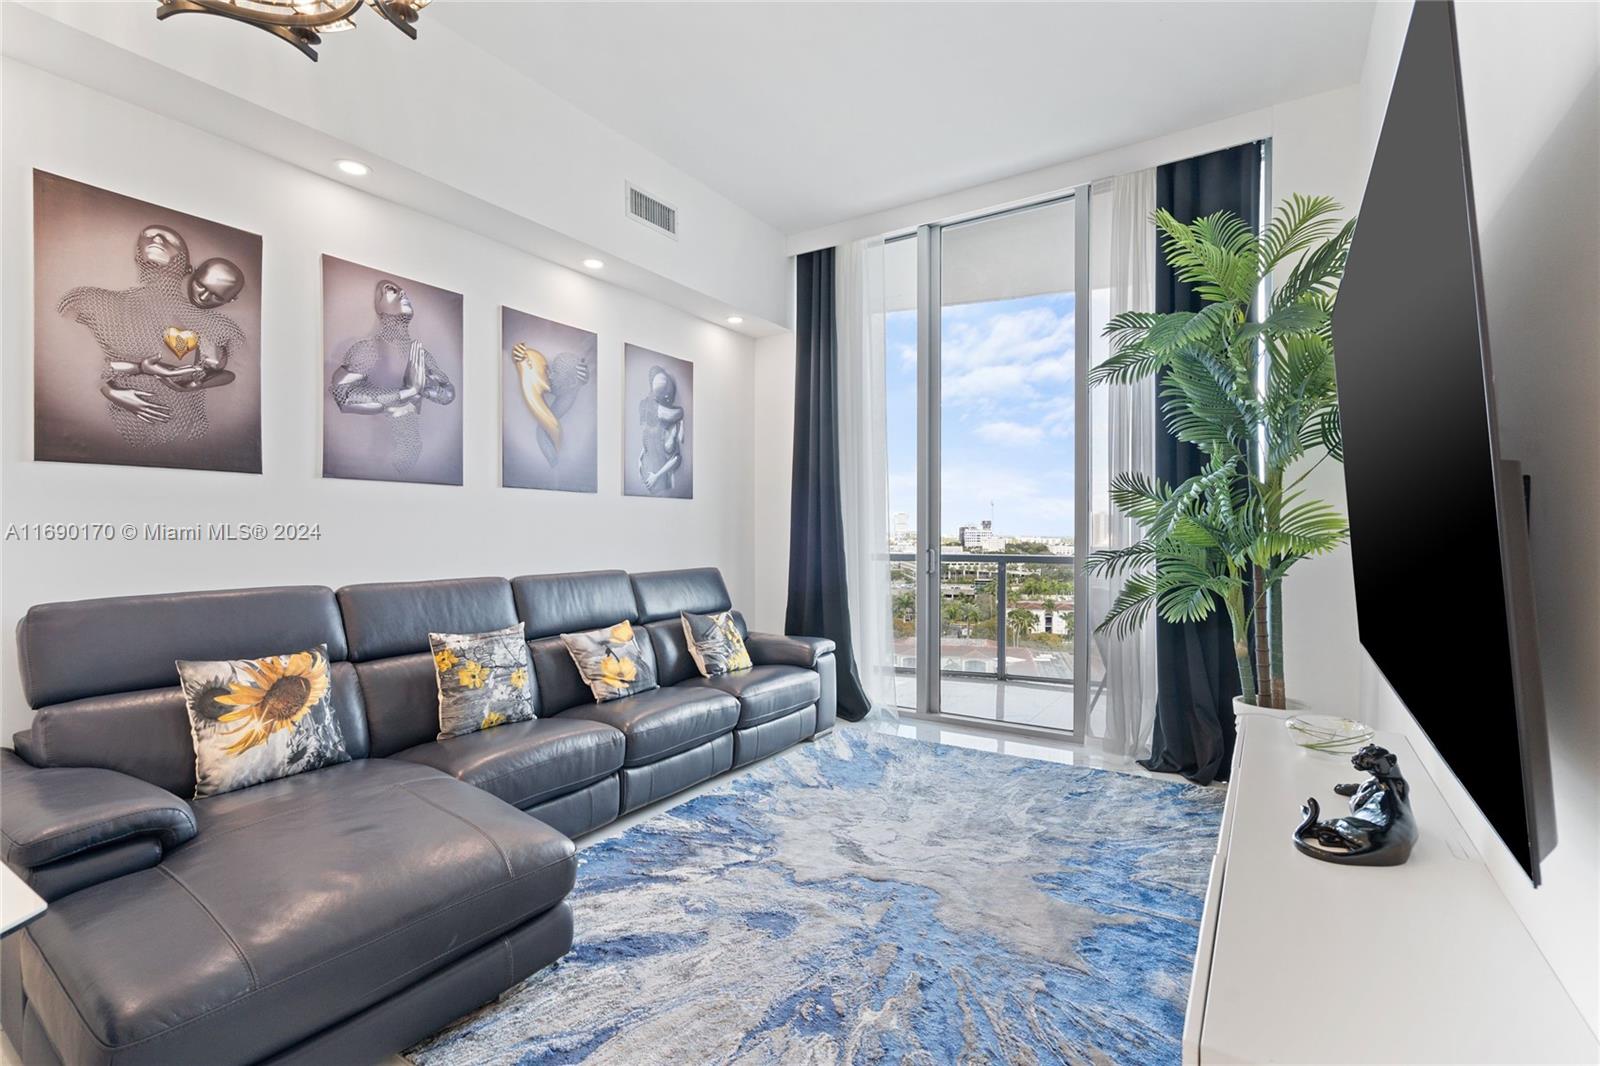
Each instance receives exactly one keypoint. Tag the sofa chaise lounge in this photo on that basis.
(341, 914)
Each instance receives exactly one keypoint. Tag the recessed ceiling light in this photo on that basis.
(593, 264)
(735, 320)
(353, 168)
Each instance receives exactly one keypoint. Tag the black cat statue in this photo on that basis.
(1379, 831)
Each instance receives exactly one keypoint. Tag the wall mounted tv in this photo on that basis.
(1438, 520)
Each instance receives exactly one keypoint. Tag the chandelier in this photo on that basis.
(300, 22)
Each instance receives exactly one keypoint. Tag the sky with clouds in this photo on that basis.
(1008, 414)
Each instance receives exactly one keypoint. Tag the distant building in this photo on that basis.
(901, 524)
(981, 538)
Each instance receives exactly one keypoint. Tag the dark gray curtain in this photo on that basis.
(1196, 678)
(817, 603)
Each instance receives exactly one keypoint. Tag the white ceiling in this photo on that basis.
(811, 113)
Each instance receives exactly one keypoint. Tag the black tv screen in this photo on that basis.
(1438, 533)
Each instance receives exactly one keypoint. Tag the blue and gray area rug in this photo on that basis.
(869, 898)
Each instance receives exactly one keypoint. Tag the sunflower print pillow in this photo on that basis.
(256, 720)
(485, 679)
(715, 643)
(613, 661)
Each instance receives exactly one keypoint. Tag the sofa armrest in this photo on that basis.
(774, 649)
(52, 813)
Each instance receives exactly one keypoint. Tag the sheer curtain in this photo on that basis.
(1123, 710)
(863, 465)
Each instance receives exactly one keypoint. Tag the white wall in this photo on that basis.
(773, 454)
(371, 531)
(1531, 84)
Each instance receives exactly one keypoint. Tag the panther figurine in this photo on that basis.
(1380, 830)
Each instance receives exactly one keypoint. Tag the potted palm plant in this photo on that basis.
(1253, 389)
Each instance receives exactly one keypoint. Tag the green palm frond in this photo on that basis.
(1299, 223)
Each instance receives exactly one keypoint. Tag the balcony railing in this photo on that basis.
(1003, 564)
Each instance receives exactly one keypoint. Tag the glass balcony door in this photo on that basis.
(985, 380)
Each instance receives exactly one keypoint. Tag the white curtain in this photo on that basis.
(1123, 704)
(863, 464)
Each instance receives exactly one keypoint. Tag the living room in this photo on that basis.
(795, 532)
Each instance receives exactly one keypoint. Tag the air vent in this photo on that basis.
(646, 209)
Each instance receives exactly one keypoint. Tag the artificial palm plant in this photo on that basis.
(1255, 393)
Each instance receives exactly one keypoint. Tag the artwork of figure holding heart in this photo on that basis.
(165, 343)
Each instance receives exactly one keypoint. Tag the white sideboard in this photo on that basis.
(1308, 962)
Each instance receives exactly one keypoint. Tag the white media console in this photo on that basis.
(1308, 962)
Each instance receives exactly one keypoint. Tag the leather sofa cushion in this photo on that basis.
(551, 604)
(525, 763)
(146, 734)
(129, 643)
(765, 692)
(395, 617)
(665, 593)
(300, 902)
(664, 721)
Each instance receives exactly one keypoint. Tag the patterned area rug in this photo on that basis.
(868, 898)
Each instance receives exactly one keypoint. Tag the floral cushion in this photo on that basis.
(715, 643)
(256, 720)
(485, 679)
(613, 661)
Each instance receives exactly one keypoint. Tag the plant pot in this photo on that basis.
(1242, 708)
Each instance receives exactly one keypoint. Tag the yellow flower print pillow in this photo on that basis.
(485, 679)
(256, 720)
(613, 661)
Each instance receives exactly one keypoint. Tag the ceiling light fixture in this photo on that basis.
(300, 22)
(353, 168)
(735, 320)
(593, 264)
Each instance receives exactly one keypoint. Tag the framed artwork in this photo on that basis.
(549, 417)
(657, 424)
(147, 333)
(391, 352)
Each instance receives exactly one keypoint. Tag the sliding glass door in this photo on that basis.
(985, 356)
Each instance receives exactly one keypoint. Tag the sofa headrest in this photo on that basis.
(395, 617)
(570, 603)
(666, 593)
(70, 651)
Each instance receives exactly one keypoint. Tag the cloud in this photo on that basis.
(1010, 434)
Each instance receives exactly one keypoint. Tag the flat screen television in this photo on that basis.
(1438, 519)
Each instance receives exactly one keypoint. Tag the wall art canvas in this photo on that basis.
(549, 417)
(658, 424)
(392, 387)
(147, 333)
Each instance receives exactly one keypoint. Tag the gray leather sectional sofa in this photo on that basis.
(339, 915)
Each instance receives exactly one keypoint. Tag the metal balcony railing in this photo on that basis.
(1002, 562)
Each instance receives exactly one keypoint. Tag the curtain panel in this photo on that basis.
(863, 468)
(1197, 676)
(1122, 710)
(818, 578)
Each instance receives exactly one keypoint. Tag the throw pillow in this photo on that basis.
(613, 661)
(715, 643)
(485, 679)
(256, 720)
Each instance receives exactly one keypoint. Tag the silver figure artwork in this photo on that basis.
(356, 391)
(658, 424)
(661, 449)
(165, 341)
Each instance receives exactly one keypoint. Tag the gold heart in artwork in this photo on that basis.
(181, 341)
